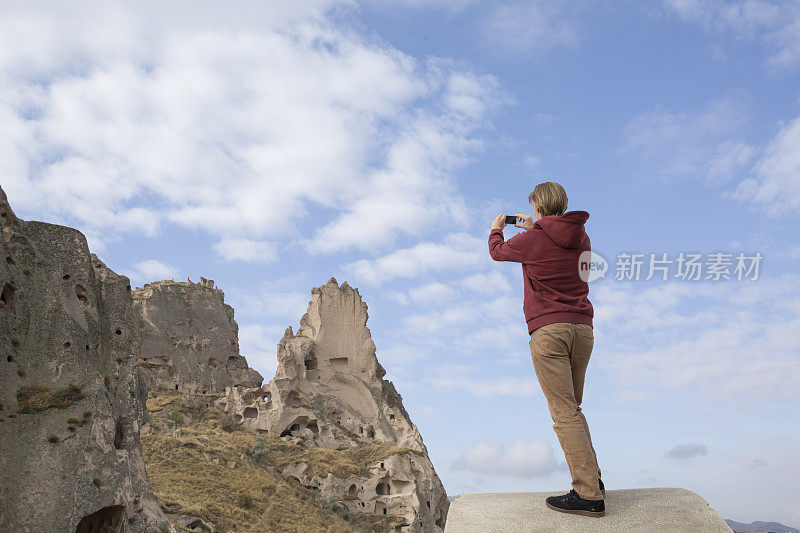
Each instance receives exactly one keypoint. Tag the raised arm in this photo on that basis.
(517, 248)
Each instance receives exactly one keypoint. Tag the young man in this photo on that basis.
(559, 317)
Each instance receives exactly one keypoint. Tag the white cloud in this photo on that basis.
(533, 28)
(791, 252)
(274, 300)
(708, 145)
(246, 250)
(747, 17)
(493, 282)
(435, 293)
(533, 163)
(397, 297)
(776, 190)
(452, 5)
(705, 145)
(544, 120)
(463, 379)
(686, 451)
(396, 355)
(235, 122)
(258, 343)
(149, 271)
(522, 459)
(456, 252)
(775, 23)
(466, 314)
(681, 337)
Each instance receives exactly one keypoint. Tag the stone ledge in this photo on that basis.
(667, 510)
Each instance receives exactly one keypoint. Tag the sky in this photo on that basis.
(272, 145)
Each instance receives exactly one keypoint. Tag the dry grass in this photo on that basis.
(190, 474)
(35, 398)
(354, 461)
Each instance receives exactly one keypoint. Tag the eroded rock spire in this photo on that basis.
(329, 391)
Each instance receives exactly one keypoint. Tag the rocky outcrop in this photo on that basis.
(71, 401)
(653, 510)
(190, 341)
(329, 392)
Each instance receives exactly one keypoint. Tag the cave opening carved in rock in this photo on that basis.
(106, 520)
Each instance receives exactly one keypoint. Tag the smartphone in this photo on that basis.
(511, 219)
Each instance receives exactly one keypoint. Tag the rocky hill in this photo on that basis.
(190, 340)
(211, 474)
(71, 399)
(760, 527)
(329, 392)
(326, 446)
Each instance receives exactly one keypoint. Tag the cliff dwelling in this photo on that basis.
(7, 296)
(310, 361)
(106, 519)
(299, 424)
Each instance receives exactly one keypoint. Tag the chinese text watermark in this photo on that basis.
(685, 266)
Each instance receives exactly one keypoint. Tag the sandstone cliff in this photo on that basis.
(329, 392)
(71, 401)
(190, 341)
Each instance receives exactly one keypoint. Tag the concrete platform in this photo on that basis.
(667, 510)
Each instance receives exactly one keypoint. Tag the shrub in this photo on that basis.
(199, 403)
(96, 482)
(53, 438)
(35, 398)
(176, 418)
(230, 424)
(330, 502)
(245, 501)
(15, 341)
(258, 451)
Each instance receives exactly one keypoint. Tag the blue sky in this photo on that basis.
(272, 147)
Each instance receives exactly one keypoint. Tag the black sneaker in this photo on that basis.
(572, 503)
(602, 487)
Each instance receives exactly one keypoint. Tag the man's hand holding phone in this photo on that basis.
(524, 221)
(519, 220)
(500, 221)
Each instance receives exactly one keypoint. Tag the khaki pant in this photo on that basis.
(560, 354)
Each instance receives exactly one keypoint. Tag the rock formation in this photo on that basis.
(71, 401)
(652, 510)
(190, 341)
(329, 392)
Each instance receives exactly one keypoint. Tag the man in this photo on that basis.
(559, 317)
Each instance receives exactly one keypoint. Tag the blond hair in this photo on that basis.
(549, 198)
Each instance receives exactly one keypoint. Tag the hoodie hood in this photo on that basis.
(567, 230)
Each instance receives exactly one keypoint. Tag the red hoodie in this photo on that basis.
(554, 292)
